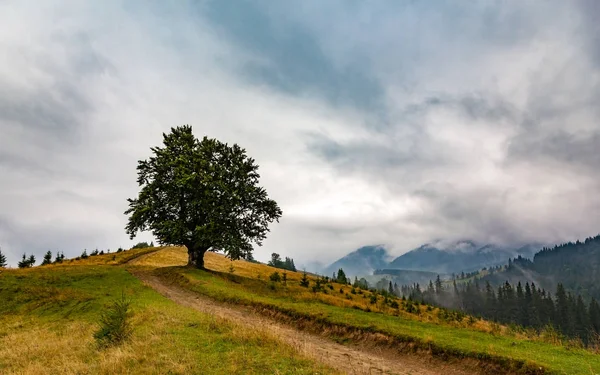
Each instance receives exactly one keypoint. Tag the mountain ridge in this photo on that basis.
(443, 257)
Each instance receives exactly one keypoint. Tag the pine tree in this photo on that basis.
(490, 301)
(31, 260)
(563, 315)
(391, 288)
(23, 263)
(341, 277)
(582, 321)
(47, 258)
(439, 288)
(84, 255)
(304, 281)
(594, 314)
(2, 259)
(58, 258)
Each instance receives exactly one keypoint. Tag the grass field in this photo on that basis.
(48, 316)
(248, 285)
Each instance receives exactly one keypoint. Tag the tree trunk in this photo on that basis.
(196, 256)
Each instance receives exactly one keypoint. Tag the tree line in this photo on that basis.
(526, 306)
(287, 264)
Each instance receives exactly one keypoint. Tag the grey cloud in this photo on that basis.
(439, 118)
(290, 57)
(566, 149)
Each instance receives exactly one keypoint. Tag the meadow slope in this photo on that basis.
(338, 314)
(48, 316)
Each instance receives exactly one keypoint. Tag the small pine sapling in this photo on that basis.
(304, 280)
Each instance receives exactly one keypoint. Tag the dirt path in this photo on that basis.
(348, 359)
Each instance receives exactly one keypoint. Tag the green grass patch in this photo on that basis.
(48, 317)
(508, 352)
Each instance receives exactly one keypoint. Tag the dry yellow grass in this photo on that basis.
(177, 256)
(48, 316)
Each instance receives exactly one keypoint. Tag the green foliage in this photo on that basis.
(94, 253)
(84, 255)
(47, 258)
(341, 277)
(287, 264)
(304, 281)
(202, 194)
(275, 277)
(284, 277)
(141, 245)
(27, 262)
(60, 256)
(2, 259)
(115, 323)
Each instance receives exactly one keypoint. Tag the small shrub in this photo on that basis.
(330, 286)
(115, 325)
(373, 299)
(119, 250)
(353, 290)
(304, 281)
(394, 305)
(275, 277)
(142, 245)
(341, 290)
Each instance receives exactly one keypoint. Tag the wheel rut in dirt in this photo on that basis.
(349, 359)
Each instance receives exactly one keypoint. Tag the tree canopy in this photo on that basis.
(202, 194)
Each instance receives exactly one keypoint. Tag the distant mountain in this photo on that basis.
(456, 257)
(361, 262)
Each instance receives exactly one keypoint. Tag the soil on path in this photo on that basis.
(349, 359)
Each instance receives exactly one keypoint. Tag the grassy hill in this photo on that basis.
(48, 316)
(57, 308)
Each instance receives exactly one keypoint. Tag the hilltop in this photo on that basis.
(220, 323)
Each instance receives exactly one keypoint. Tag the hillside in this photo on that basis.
(404, 277)
(575, 265)
(375, 330)
(49, 314)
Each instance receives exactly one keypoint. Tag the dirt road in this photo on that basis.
(345, 358)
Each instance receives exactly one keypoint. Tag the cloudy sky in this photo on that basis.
(392, 122)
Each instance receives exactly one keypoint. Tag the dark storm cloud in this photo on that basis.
(289, 56)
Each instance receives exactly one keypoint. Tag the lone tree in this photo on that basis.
(201, 194)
